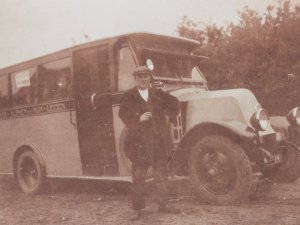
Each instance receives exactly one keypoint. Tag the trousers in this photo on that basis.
(139, 172)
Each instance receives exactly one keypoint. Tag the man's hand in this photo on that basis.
(145, 116)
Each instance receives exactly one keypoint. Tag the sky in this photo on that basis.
(31, 28)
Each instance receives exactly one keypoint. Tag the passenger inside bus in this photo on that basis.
(56, 87)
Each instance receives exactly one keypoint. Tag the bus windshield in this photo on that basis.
(176, 67)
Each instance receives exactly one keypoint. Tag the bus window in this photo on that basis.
(126, 67)
(24, 87)
(4, 103)
(92, 67)
(55, 80)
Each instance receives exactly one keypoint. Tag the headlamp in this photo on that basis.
(260, 120)
(294, 116)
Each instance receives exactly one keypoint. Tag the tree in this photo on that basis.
(260, 53)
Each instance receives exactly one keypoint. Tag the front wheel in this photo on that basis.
(30, 173)
(220, 171)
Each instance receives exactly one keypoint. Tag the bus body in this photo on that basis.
(59, 118)
(64, 107)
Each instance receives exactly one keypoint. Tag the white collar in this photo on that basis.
(144, 93)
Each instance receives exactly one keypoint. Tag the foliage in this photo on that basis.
(260, 52)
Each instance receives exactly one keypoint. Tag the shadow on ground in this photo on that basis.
(177, 189)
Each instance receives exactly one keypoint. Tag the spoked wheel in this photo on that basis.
(220, 171)
(216, 172)
(30, 174)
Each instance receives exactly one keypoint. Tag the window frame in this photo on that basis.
(76, 67)
(11, 77)
(117, 53)
(39, 80)
(9, 104)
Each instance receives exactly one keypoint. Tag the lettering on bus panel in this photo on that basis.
(3, 114)
(38, 109)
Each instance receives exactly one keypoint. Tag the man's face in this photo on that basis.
(142, 80)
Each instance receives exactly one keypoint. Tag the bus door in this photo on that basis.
(95, 121)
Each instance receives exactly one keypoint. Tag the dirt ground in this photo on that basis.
(91, 202)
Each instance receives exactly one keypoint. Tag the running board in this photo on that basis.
(10, 174)
(107, 178)
(111, 178)
(171, 178)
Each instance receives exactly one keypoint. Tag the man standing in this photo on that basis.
(146, 112)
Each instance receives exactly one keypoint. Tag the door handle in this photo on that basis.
(70, 111)
(93, 100)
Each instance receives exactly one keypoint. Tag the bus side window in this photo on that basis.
(126, 67)
(24, 87)
(4, 100)
(92, 68)
(55, 80)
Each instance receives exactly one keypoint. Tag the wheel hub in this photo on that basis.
(216, 172)
(29, 172)
(212, 172)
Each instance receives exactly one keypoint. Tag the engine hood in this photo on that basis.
(229, 106)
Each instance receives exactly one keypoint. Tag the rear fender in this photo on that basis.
(27, 147)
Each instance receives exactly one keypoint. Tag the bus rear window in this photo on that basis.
(4, 103)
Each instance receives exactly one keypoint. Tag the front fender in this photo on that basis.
(235, 130)
(281, 125)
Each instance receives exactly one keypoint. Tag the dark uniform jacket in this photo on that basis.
(147, 141)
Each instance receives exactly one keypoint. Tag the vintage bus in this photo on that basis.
(59, 112)
(59, 119)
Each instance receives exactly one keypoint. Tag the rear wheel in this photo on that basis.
(220, 171)
(30, 173)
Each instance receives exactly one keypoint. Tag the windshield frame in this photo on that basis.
(177, 77)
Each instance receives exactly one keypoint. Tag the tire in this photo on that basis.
(30, 173)
(220, 171)
(289, 169)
